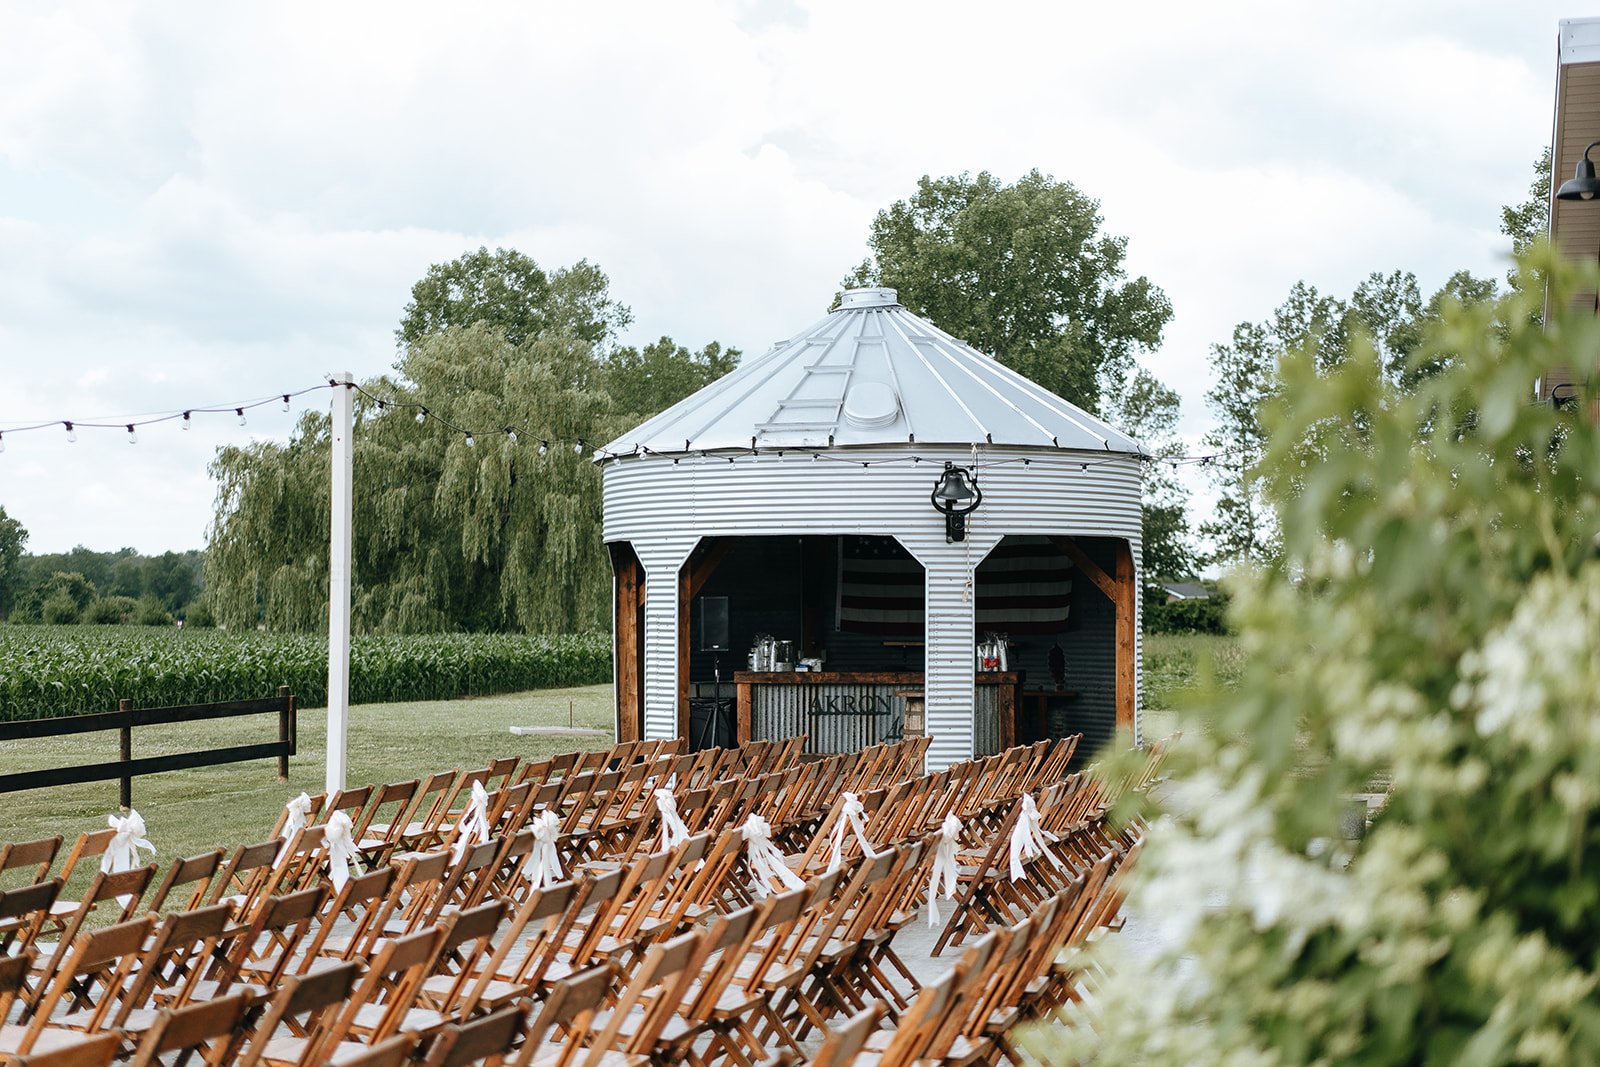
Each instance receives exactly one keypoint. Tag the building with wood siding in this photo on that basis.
(781, 485)
(1574, 224)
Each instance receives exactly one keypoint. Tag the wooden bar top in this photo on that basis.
(905, 678)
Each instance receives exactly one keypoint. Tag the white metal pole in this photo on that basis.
(339, 582)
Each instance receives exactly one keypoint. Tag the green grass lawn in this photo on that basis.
(193, 811)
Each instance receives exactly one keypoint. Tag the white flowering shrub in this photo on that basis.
(1434, 626)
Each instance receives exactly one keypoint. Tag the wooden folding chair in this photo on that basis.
(349, 921)
(376, 1008)
(303, 1004)
(195, 873)
(24, 863)
(414, 890)
(166, 973)
(568, 1013)
(14, 972)
(245, 878)
(657, 987)
(261, 953)
(409, 828)
(543, 918)
(467, 939)
(844, 1040)
(213, 1026)
(23, 913)
(89, 975)
(384, 821)
(123, 889)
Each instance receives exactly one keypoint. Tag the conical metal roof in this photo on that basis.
(872, 373)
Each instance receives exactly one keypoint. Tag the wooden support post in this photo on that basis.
(629, 650)
(284, 739)
(1127, 601)
(125, 784)
(742, 715)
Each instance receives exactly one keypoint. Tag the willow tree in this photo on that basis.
(497, 533)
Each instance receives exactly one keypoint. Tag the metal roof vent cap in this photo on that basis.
(871, 404)
(869, 297)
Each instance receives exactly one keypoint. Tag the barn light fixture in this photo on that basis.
(1583, 184)
(956, 495)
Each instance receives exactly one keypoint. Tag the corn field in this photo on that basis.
(68, 670)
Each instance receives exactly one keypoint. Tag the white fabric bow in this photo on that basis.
(297, 812)
(849, 818)
(342, 856)
(474, 825)
(674, 831)
(544, 862)
(123, 852)
(1028, 839)
(763, 857)
(946, 876)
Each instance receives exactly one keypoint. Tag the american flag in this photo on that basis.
(1024, 586)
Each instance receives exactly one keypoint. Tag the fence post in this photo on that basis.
(284, 738)
(125, 797)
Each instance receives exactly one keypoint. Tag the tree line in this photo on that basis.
(503, 534)
(83, 585)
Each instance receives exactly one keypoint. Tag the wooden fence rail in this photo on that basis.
(125, 768)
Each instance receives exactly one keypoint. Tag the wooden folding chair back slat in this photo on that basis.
(24, 863)
(89, 1050)
(245, 878)
(23, 913)
(123, 889)
(213, 1025)
(486, 1039)
(14, 970)
(192, 875)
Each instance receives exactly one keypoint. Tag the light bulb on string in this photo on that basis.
(240, 412)
(578, 447)
(544, 446)
(72, 435)
(186, 423)
(511, 435)
(422, 415)
(286, 401)
(2, 442)
(470, 441)
(133, 438)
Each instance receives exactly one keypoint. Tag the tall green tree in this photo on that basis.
(1243, 528)
(13, 538)
(507, 291)
(1525, 223)
(1430, 633)
(1148, 410)
(1021, 271)
(497, 534)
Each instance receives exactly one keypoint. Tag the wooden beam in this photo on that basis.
(1127, 600)
(626, 622)
(1102, 581)
(703, 563)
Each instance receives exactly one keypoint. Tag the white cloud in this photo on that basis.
(201, 203)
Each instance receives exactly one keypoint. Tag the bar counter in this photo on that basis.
(845, 711)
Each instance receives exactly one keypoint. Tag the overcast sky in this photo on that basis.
(203, 203)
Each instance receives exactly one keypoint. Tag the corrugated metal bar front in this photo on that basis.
(986, 720)
(837, 717)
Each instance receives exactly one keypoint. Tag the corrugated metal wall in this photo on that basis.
(663, 508)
